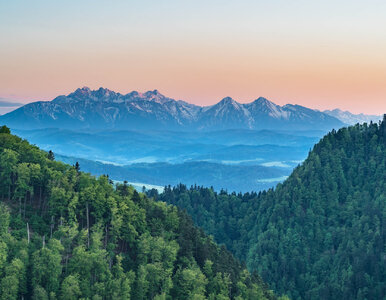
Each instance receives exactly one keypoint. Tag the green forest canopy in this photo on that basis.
(319, 235)
(65, 234)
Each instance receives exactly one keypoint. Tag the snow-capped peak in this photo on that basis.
(155, 96)
(262, 100)
(229, 101)
(104, 92)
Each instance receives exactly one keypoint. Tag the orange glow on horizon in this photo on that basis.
(314, 57)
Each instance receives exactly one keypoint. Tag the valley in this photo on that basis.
(192, 150)
(236, 160)
(287, 196)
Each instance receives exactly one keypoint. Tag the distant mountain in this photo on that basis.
(102, 108)
(127, 147)
(351, 119)
(7, 106)
(226, 114)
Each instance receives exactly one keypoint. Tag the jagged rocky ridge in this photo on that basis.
(103, 108)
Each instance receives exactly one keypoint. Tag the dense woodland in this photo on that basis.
(65, 234)
(319, 235)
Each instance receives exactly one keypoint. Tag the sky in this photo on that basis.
(320, 54)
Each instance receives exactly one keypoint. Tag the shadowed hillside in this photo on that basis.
(319, 235)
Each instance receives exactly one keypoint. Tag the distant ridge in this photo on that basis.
(350, 118)
(106, 109)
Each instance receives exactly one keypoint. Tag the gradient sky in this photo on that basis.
(321, 54)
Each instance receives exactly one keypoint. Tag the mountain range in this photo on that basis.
(106, 109)
(350, 118)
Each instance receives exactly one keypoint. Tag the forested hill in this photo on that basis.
(67, 235)
(319, 235)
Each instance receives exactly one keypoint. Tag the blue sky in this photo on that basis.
(322, 54)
